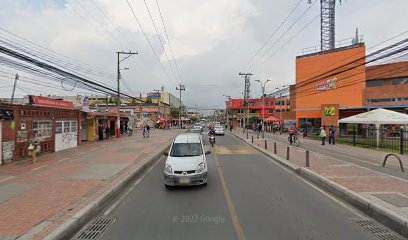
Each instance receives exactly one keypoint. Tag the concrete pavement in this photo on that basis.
(351, 173)
(37, 199)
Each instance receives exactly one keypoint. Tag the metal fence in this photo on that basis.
(389, 139)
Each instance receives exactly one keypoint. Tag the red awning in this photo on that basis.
(272, 119)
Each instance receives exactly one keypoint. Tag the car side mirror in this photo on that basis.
(207, 152)
(166, 153)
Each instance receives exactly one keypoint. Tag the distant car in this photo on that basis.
(186, 162)
(198, 127)
(219, 131)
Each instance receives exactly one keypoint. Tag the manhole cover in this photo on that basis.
(377, 230)
(95, 229)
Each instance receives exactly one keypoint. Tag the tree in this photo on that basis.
(174, 112)
(193, 118)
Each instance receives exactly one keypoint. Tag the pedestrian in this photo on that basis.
(34, 147)
(260, 127)
(322, 135)
(100, 132)
(231, 127)
(107, 131)
(332, 135)
(148, 130)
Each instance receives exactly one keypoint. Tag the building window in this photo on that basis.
(253, 111)
(66, 127)
(399, 81)
(288, 102)
(277, 103)
(73, 126)
(266, 103)
(375, 83)
(270, 110)
(43, 128)
(58, 128)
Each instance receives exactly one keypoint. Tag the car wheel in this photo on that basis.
(168, 187)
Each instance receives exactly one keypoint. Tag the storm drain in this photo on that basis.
(95, 229)
(377, 230)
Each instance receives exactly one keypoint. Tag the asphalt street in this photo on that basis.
(248, 196)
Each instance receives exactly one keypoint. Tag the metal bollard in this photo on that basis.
(275, 151)
(307, 159)
(287, 153)
(257, 135)
(252, 138)
(266, 144)
(247, 134)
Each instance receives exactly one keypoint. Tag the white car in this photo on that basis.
(186, 162)
(219, 131)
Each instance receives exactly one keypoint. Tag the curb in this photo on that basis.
(390, 219)
(70, 227)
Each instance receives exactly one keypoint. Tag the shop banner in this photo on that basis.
(49, 102)
(6, 114)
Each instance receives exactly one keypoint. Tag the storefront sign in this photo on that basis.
(329, 111)
(329, 85)
(153, 95)
(6, 114)
(49, 102)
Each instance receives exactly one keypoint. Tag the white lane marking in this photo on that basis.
(61, 160)
(343, 204)
(7, 178)
(37, 168)
(124, 195)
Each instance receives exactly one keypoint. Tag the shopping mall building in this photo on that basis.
(336, 84)
(332, 85)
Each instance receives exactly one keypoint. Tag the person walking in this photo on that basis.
(34, 147)
(323, 135)
(107, 131)
(332, 135)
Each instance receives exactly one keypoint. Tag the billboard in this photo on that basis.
(153, 95)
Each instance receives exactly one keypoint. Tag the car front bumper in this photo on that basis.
(185, 180)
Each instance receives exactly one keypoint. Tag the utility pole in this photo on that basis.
(263, 105)
(181, 88)
(140, 105)
(129, 54)
(246, 97)
(14, 89)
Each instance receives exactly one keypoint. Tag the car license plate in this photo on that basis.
(184, 180)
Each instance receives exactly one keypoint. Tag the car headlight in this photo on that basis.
(201, 167)
(168, 169)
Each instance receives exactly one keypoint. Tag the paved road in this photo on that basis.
(247, 197)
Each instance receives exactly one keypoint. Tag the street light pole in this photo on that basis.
(229, 102)
(129, 54)
(263, 105)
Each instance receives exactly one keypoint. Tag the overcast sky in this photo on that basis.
(212, 40)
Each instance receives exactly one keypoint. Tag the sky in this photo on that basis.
(211, 41)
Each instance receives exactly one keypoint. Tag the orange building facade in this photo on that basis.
(336, 84)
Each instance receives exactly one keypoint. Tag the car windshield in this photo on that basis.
(186, 150)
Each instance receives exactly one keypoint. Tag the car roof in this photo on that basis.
(188, 138)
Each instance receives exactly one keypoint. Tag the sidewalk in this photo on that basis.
(36, 198)
(382, 194)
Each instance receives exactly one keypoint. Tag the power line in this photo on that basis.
(147, 39)
(168, 40)
(160, 40)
